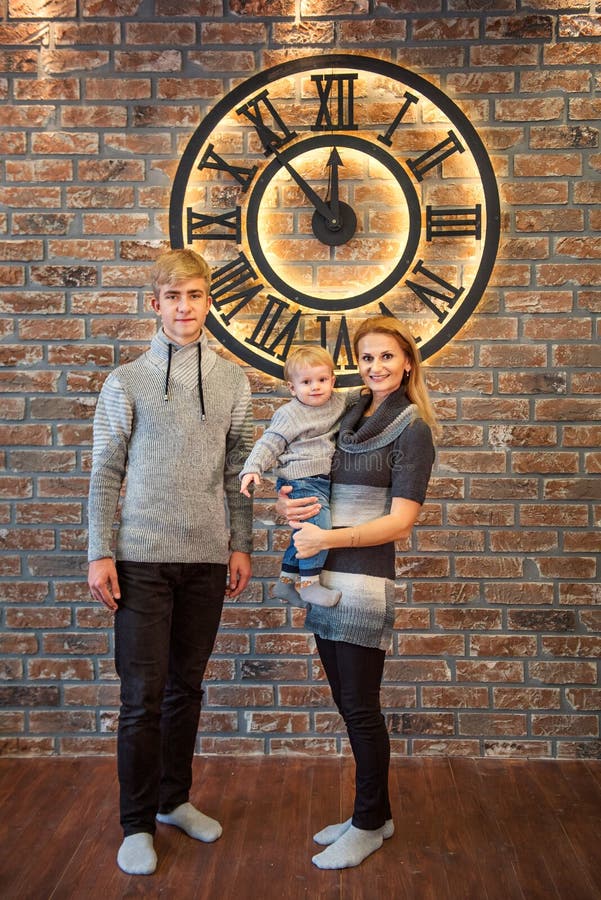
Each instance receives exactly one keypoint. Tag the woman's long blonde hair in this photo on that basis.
(417, 392)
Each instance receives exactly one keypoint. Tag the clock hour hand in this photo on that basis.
(333, 195)
(320, 205)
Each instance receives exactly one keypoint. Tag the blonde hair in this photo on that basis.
(417, 392)
(178, 265)
(307, 356)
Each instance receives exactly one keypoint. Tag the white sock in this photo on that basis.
(311, 591)
(331, 833)
(193, 822)
(285, 590)
(136, 854)
(350, 849)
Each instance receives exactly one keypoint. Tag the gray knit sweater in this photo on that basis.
(299, 442)
(180, 469)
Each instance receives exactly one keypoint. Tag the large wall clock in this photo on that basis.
(329, 188)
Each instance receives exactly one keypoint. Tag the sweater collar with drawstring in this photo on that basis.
(174, 357)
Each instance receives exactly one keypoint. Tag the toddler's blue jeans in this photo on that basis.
(316, 486)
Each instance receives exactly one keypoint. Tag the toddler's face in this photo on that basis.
(312, 385)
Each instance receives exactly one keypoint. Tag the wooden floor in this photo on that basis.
(473, 829)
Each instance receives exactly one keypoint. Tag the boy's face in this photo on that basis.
(183, 308)
(312, 385)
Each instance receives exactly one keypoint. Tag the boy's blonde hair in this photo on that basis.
(178, 265)
(307, 356)
(417, 392)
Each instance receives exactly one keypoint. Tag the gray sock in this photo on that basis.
(319, 595)
(193, 822)
(350, 849)
(285, 590)
(136, 854)
(331, 833)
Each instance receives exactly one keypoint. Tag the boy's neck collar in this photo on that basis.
(164, 340)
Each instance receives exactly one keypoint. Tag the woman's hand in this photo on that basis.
(309, 539)
(295, 511)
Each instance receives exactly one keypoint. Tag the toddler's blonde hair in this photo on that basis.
(309, 355)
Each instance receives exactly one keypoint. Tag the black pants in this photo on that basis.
(355, 676)
(165, 629)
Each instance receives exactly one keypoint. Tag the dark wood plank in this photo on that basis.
(519, 824)
(483, 839)
(92, 835)
(320, 786)
(575, 800)
(555, 848)
(465, 877)
(545, 861)
(260, 842)
(224, 790)
(324, 800)
(41, 826)
(593, 767)
(417, 841)
(465, 830)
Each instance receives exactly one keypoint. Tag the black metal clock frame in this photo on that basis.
(340, 136)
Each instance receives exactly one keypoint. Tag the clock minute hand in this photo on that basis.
(320, 205)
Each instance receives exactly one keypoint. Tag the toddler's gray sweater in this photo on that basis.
(299, 442)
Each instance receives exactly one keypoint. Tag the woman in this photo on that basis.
(380, 474)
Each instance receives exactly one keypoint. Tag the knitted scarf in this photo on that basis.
(388, 421)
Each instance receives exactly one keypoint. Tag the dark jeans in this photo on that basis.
(165, 629)
(355, 676)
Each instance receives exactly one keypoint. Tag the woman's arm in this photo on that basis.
(309, 539)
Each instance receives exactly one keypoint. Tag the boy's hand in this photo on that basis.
(239, 572)
(103, 582)
(248, 479)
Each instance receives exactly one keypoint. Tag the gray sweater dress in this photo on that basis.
(390, 454)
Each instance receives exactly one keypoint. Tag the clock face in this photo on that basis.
(331, 188)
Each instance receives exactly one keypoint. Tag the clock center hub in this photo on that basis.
(335, 232)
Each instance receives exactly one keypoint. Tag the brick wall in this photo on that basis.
(497, 642)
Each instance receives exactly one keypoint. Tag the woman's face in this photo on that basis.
(382, 364)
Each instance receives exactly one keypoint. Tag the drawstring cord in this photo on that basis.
(200, 390)
(170, 351)
(200, 393)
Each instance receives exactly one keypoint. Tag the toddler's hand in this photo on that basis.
(247, 480)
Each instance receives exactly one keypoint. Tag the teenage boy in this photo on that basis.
(178, 422)
(299, 443)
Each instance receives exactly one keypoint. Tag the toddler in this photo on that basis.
(299, 444)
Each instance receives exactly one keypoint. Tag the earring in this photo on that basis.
(405, 378)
